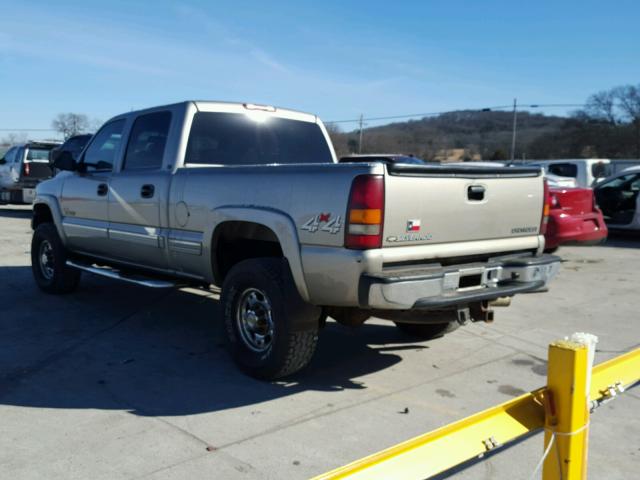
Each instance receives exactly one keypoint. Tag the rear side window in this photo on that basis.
(147, 141)
(238, 139)
(17, 157)
(101, 154)
(601, 170)
(8, 157)
(564, 169)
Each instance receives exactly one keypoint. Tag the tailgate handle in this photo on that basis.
(475, 193)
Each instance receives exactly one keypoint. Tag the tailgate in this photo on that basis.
(438, 204)
(35, 170)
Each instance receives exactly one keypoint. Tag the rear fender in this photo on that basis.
(278, 222)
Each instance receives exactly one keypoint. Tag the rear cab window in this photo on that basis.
(222, 138)
(37, 155)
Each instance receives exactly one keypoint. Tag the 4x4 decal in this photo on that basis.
(324, 223)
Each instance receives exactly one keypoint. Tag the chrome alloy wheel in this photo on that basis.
(45, 256)
(255, 319)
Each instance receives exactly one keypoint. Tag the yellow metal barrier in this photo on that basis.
(562, 408)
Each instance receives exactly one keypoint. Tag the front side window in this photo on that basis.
(101, 154)
(147, 141)
(221, 138)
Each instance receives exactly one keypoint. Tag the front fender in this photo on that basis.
(52, 202)
(277, 221)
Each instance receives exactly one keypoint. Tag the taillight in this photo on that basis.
(554, 201)
(546, 206)
(365, 213)
(27, 169)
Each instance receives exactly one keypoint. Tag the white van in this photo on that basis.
(586, 171)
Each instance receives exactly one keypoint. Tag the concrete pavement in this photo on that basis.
(120, 382)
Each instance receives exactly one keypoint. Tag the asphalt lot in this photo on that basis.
(121, 382)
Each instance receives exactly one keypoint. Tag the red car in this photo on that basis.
(574, 218)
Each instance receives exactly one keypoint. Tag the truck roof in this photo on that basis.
(233, 107)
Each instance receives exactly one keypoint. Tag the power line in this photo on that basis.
(388, 117)
(486, 109)
(28, 130)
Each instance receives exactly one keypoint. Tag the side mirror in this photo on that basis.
(64, 161)
(3, 161)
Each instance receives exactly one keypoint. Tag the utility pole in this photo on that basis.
(513, 136)
(360, 141)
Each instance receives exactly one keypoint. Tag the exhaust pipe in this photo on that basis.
(500, 302)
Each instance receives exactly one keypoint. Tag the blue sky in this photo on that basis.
(334, 58)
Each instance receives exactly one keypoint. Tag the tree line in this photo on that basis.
(607, 127)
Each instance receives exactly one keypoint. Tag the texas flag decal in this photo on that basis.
(413, 225)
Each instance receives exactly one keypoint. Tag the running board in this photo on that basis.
(117, 275)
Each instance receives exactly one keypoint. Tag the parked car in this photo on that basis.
(618, 198)
(21, 168)
(574, 218)
(587, 171)
(250, 198)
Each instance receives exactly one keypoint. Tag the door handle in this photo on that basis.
(102, 189)
(147, 191)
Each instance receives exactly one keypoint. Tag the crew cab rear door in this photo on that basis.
(138, 193)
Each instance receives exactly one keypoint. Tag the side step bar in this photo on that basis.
(117, 275)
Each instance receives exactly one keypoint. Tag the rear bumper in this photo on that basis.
(588, 228)
(447, 287)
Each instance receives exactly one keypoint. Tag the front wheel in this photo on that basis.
(271, 331)
(49, 262)
(427, 330)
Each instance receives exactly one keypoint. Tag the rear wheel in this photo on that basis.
(49, 262)
(427, 330)
(271, 331)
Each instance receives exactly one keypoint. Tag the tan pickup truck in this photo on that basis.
(250, 198)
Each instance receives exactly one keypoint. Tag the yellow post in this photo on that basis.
(567, 412)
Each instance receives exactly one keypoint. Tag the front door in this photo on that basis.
(138, 194)
(85, 192)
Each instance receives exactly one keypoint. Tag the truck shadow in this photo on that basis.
(620, 239)
(15, 212)
(116, 346)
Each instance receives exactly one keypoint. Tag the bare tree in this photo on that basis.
(628, 98)
(602, 106)
(69, 124)
(629, 103)
(13, 138)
